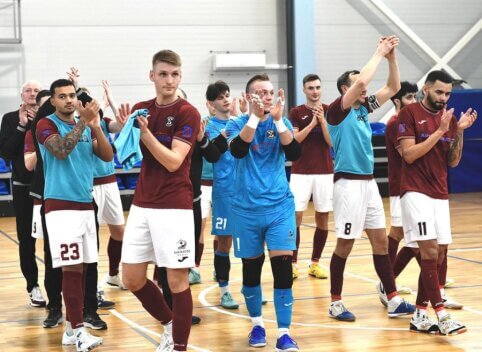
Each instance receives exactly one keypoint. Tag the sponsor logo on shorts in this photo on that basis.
(182, 253)
(181, 244)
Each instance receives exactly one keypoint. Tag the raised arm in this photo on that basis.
(393, 82)
(367, 73)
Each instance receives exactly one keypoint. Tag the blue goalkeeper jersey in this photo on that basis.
(260, 184)
(224, 168)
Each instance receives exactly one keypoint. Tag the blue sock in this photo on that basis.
(283, 305)
(252, 297)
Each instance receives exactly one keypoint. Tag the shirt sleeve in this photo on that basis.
(371, 103)
(288, 124)
(45, 129)
(187, 125)
(335, 114)
(392, 132)
(293, 117)
(29, 146)
(406, 124)
(232, 129)
(211, 131)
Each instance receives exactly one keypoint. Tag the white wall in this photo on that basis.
(115, 40)
(346, 33)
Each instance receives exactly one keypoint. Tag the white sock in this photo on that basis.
(168, 328)
(396, 299)
(283, 331)
(68, 328)
(419, 313)
(442, 314)
(336, 302)
(224, 289)
(442, 292)
(257, 321)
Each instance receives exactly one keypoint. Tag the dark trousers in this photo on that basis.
(53, 276)
(23, 205)
(162, 273)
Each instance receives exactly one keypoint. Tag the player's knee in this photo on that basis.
(282, 271)
(225, 243)
(133, 282)
(252, 271)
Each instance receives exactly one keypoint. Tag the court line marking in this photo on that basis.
(146, 330)
(202, 299)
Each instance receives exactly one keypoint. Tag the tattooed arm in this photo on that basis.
(455, 153)
(61, 147)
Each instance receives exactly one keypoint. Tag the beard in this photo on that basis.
(434, 105)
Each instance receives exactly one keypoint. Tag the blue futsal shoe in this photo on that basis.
(257, 337)
(398, 309)
(286, 344)
(339, 312)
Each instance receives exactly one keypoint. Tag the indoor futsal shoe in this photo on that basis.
(447, 326)
(93, 321)
(85, 341)
(286, 344)
(295, 272)
(166, 344)
(382, 295)
(424, 325)
(450, 303)
(257, 337)
(54, 318)
(449, 282)
(36, 298)
(317, 271)
(194, 276)
(228, 302)
(115, 281)
(195, 320)
(68, 337)
(339, 312)
(102, 303)
(399, 307)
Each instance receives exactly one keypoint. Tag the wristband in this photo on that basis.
(253, 121)
(280, 126)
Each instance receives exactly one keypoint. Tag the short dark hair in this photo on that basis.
(262, 77)
(438, 75)
(344, 79)
(43, 93)
(168, 56)
(310, 77)
(406, 87)
(216, 88)
(60, 83)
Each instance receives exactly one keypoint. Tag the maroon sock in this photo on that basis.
(295, 252)
(430, 283)
(403, 258)
(215, 245)
(422, 298)
(319, 241)
(385, 273)
(392, 249)
(153, 302)
(337, 267)
(181, 322)
(442, 271)
(73, 297)
(114, 249)
(199, 253)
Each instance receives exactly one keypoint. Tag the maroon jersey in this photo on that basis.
(315, 151)
(157, 187)
(29, 146)
(394, 158)
(427, 174)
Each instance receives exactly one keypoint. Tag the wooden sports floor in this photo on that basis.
(130, 328)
